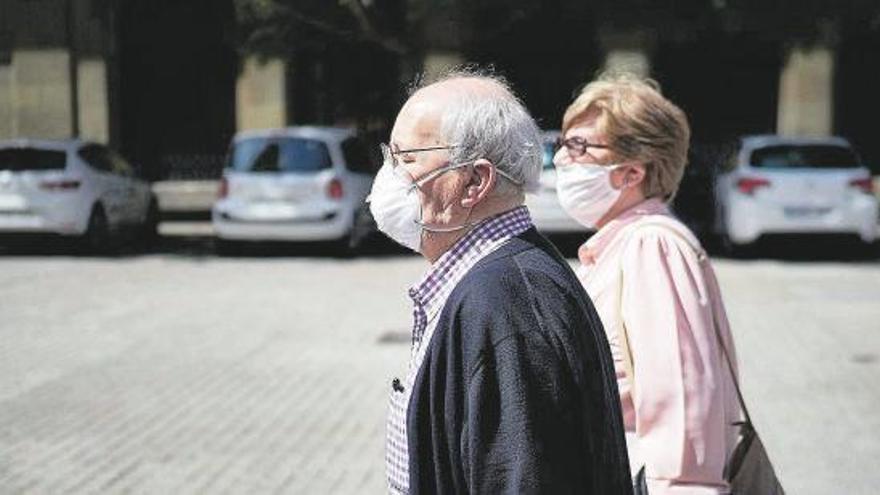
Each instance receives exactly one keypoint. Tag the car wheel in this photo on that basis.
(225, 247)
(735, 249)
(149, 230)
(364, 226)
(97, 238)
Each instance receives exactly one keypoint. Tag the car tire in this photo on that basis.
(735, 249)
(363, 228)
(97, 238)
(149, 231)
(225, 247)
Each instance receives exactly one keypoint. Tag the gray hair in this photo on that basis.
(494, 126)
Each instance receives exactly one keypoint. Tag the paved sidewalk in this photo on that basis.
(191, 374)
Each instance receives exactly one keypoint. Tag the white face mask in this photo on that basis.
(585, 192)
(396, 208)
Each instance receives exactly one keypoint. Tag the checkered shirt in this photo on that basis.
(429, 296)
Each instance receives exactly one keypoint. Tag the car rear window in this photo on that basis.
(804, 156)
(279, 155)
(21, 159)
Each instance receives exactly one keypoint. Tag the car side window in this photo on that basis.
(119, 165)
(357, 157)
(96, 157)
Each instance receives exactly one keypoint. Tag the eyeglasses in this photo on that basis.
(577, 146)
(390, 156)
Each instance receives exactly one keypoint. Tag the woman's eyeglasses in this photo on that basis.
(577, 146)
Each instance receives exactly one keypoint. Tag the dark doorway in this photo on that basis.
(177, 68)
(728, 86)
(857, 103)
(547, 53)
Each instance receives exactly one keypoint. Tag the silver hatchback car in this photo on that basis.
(292, 184)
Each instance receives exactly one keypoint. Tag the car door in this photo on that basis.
(136, 193)
(111, 189)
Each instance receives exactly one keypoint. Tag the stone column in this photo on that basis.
(437, 61)
(37, 93)
(50, 51)
(94, 113)
(806, 88)
(261, 94)
(627, 51)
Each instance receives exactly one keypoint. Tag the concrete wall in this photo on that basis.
(38, 96)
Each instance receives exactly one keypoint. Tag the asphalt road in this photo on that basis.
(181, 372)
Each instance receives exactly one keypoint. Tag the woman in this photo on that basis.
(621, 157)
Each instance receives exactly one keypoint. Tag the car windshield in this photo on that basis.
(279, 155)
(20, 159)
(804, 156)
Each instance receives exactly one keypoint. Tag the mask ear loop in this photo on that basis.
(441, 230)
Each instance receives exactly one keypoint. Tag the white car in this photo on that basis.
(782, 185)
(73, 188)
(292, 184)
(547, 214)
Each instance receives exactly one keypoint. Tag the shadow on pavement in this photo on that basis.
(800, 248)
(783, 248)
(197, 246)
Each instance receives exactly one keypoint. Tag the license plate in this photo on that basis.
(805, 211)
(272, 210)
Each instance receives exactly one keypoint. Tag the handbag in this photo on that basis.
(748, 470)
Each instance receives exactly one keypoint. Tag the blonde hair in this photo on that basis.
(640, 124)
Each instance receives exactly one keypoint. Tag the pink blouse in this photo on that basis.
(680, 406)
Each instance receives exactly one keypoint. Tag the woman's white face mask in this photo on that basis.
(585, 191)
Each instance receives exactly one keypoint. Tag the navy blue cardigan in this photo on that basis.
(517, 393)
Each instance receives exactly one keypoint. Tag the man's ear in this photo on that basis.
(481, 180)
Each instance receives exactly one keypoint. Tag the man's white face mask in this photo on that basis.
(396, 207)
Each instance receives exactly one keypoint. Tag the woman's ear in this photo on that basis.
(480, 181)
(631, 175)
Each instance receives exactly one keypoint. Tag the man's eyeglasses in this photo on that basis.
(577, 146)
(390, 155)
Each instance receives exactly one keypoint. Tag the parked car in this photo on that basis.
(786, 185)
(73, 188)
(293, 184)
(547, 214)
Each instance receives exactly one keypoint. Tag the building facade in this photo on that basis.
(169, 82)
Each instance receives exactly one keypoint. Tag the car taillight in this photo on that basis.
(748, 185)
(223, 190)
(334, 189)
(59, 185)
(866, 185)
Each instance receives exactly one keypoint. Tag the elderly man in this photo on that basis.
(511, 387)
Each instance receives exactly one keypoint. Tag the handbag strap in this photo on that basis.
(702, 257)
